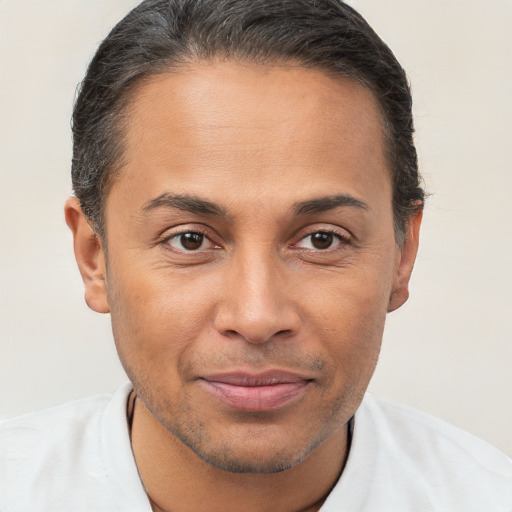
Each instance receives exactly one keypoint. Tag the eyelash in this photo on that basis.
(342, 238)
(167, 239)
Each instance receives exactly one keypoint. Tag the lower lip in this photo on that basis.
(257, 398)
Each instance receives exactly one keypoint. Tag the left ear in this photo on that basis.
(405, 262)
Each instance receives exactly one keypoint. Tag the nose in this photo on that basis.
(258, 300)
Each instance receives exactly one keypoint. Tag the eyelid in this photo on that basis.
(344, 236)
(177, 231)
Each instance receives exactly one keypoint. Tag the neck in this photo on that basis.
(175, 478)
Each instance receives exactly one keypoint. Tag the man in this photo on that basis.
(247, 209)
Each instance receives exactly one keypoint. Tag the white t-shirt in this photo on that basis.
(77, 458)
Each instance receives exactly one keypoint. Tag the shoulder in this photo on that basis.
(65, 425)
(403, 459)
(430, 439)
(65, 456)
(30, 441)
(62, 417)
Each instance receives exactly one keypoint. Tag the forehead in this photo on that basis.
(212, 127)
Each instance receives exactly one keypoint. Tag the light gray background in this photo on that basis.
(448, 351)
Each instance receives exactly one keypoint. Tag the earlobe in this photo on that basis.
(89, 255)
(405, 262)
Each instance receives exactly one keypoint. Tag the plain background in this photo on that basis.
(448, 351)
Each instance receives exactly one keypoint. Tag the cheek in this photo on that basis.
(353, 299)
(156, 320)
(349, 322)
(355, 336)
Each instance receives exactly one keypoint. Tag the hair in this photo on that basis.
(161, 36)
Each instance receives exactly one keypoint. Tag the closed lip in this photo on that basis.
(265, 391)
(247, 379)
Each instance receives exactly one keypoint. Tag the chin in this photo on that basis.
(262, 459)
(248, 448)
(248, 467)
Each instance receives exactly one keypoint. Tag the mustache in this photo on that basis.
(256, 359)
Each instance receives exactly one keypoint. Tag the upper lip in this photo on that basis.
(267, 378)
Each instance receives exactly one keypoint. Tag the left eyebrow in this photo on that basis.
(324, 204)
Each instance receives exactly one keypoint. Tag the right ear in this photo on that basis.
(89, 255)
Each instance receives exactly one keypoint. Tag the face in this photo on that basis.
(251, 258)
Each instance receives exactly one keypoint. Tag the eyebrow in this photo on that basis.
(324, 204)
(194, 204)
(186, 203)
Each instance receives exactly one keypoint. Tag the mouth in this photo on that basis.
(257, 392)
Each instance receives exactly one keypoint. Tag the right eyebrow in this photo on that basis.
(192, 204)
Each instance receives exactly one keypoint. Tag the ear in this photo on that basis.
(89, 255)
(405, 262)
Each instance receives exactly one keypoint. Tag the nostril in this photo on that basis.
(259, 318)
(257, 337)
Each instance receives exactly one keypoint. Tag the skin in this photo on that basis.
(258, 291)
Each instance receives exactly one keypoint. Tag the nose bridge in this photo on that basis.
(256, 286)
(256, 305)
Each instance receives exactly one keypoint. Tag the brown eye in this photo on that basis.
(191, 241)
(322, 240)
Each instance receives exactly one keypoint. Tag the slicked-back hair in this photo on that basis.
(161, 36)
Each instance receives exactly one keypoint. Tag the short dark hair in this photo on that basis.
(163, 35)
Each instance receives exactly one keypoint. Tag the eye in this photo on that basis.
(322, 241)
(190, 241)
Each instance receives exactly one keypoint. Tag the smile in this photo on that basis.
(262, 392)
